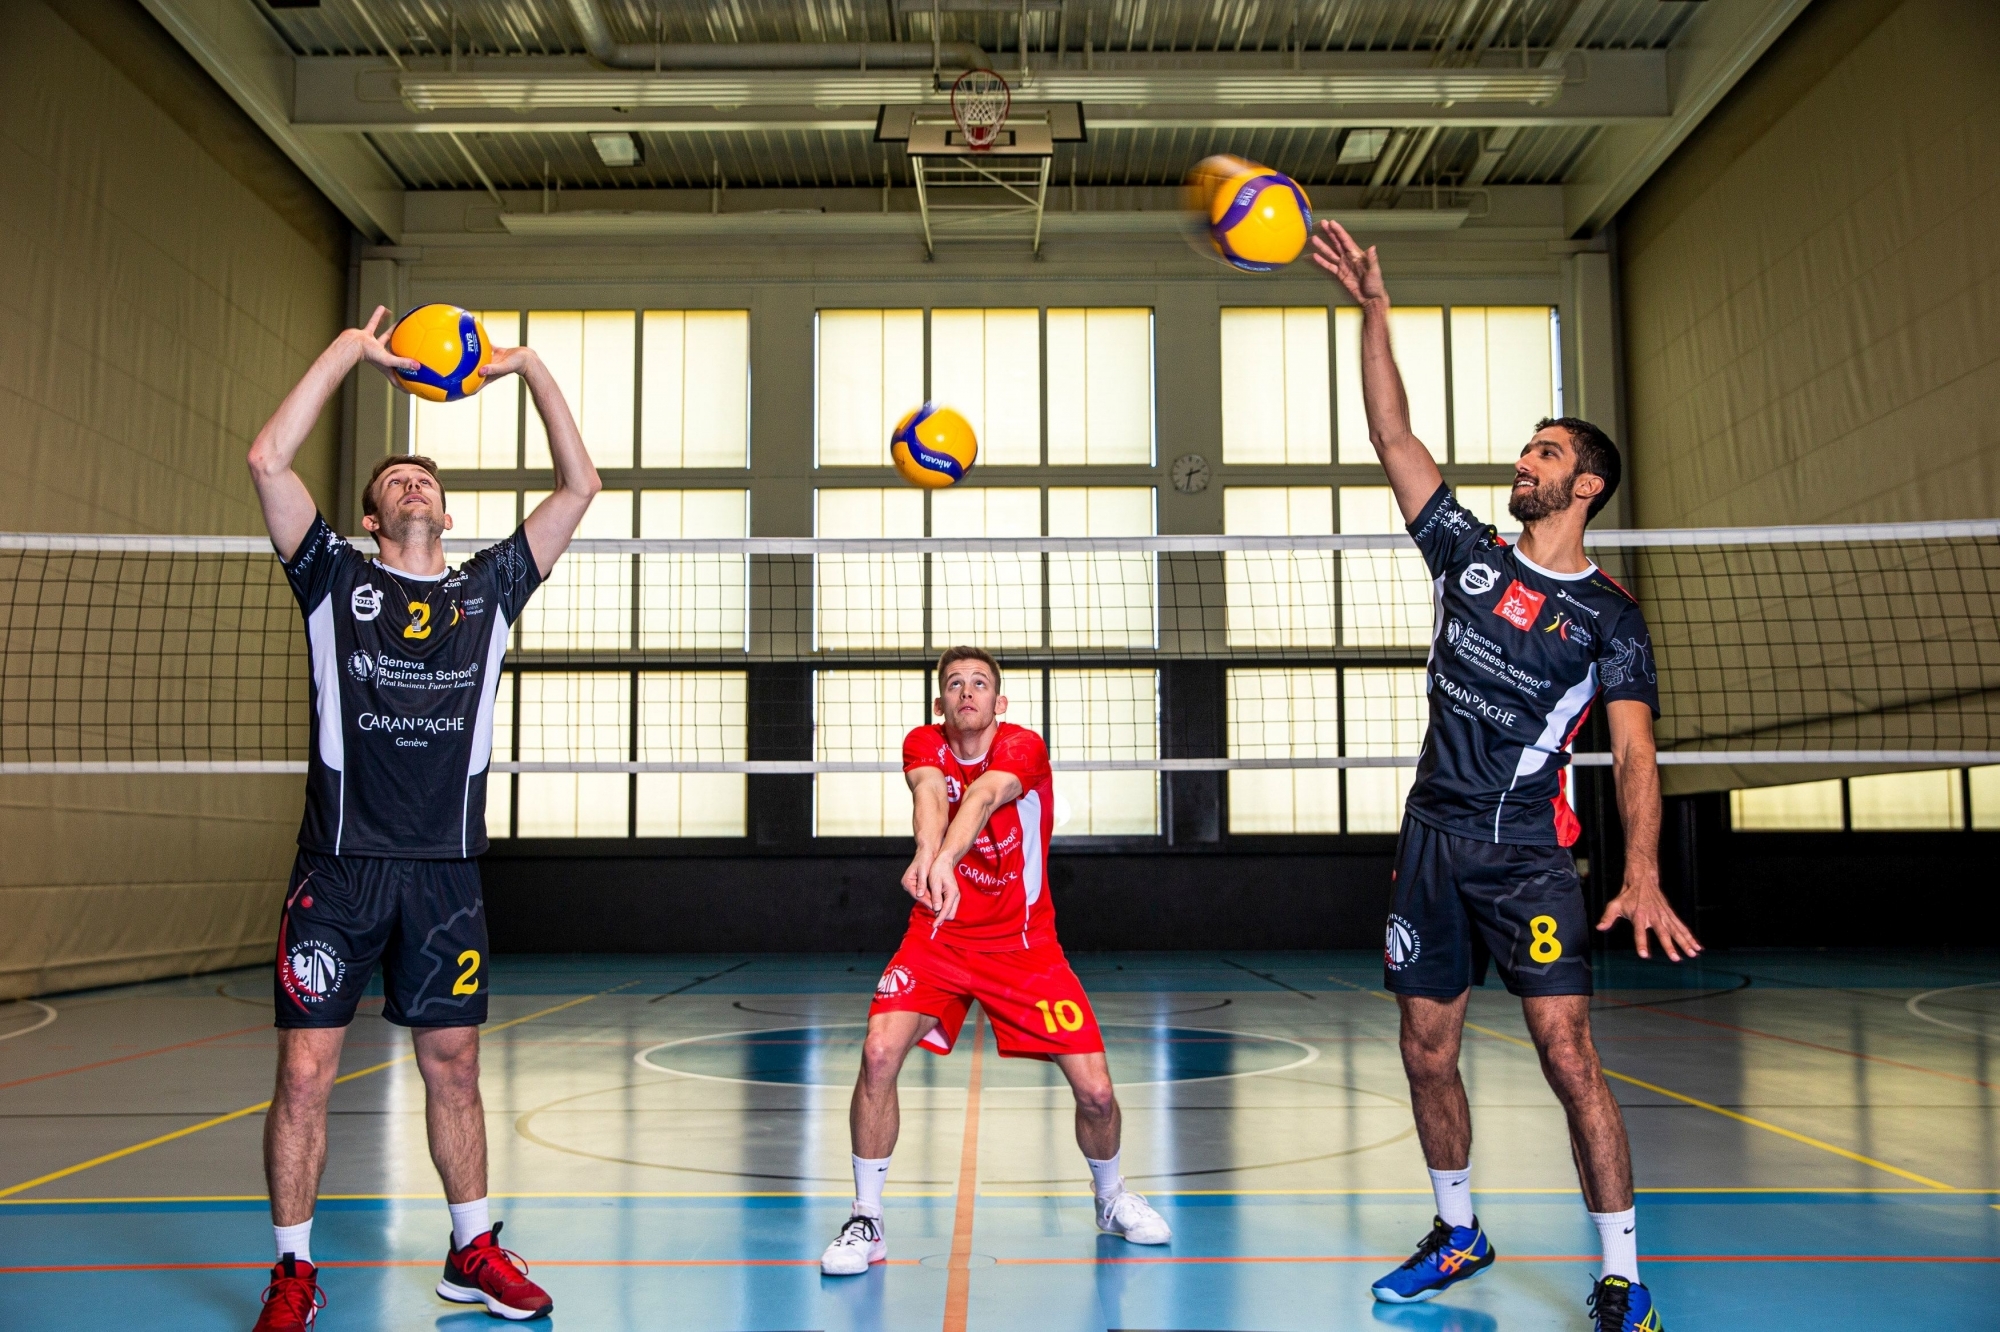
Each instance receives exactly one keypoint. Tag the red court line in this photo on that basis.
(125, 1059)
(1814, 1045)
(1510, 1258)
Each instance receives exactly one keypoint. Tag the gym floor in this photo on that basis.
(1817, 1139)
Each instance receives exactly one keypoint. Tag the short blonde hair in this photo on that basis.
(963, 653)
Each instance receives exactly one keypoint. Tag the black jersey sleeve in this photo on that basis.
(1625, 667)
(509, 567)
(1446, 532)
(314, 566)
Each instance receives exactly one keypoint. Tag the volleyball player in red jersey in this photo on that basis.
(983, 928)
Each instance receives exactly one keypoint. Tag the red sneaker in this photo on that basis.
(293, 1299)
(484, 1273)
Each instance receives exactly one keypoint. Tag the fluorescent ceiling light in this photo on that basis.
(616, 149)
(1362, 145)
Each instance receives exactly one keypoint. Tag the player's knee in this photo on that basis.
(881, 1058)
(1429, 1059)
(1570, 1064)
(305, 1077)
(1096, 1100)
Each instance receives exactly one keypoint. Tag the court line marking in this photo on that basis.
(1699, 1104)
(1915, 1007)
(124, 1059)
(958, 1283)
(1814, 1045)
(48, 1016)
(261, 1106)
(432, 1262)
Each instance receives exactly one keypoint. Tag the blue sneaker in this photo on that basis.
(1618, 1305)
(1447, 1256)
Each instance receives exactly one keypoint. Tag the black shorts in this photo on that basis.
(1458, 901)
(423, 920)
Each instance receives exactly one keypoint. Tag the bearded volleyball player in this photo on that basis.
(983, 928)
(1527, 637)
(406, 655)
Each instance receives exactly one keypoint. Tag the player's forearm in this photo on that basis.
(1638, 780)
(929, 820)
(973, 811)
(1383, 397)
(575, 473)
(279, 442)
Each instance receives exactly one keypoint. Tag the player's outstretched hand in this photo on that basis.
(916, 879)
(373, 347)
(1356, 269)
(942, 882)
(1646, 907)
(509, 361)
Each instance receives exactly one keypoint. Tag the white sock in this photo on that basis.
(468, 1222)
(869, 1177)
(295, 1240)
(1105, 1180)
(1621, 1245)
(1453, 1189)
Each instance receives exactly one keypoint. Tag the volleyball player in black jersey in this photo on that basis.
(1527, 637)
(406, 655)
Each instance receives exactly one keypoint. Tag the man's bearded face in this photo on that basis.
(1530, 505)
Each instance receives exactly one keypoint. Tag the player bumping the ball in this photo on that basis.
(983, 928)
(1527, 638)
(406, 653)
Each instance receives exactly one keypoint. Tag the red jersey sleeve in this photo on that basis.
(1020, 751)
(920, 749)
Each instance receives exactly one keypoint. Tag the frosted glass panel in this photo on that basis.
(1503, 378)
(987, 366)
(693, 601)
(481, 514)
(1417, 335)
(869, 600)
(1105, 715)
(994, 600)
(1100, 386)
(1385, 594)
(1386, 716)
(1489, 505)
(860, 716)
(870, 375)
(1894, 801)
(592, 355)
(1276, 399)
(693, 716)
(587, 600)
(575, 717)
(1802, 806)
(1102, 600)
(1287, 713)
(1279, 598)
(695, 409)
(482, 430)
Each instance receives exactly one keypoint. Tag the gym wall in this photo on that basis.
(1811, 285)
(164, 273)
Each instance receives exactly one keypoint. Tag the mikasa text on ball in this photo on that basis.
(933, 446)
(450, 348)
(1259, 220)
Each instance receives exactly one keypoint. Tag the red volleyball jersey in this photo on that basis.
(1003, 880)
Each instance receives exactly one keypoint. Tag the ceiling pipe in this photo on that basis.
(598, 41)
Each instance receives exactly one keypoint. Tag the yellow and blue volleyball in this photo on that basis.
(932, 447)
(450, 348)
(1258, 220)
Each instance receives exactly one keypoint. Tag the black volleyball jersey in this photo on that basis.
(404, 673)
(1518, 655)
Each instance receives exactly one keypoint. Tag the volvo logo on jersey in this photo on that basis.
(1478, 579)
(366, 602)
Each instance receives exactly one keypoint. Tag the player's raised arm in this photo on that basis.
(1413, 473)
(989, 793)
(1637, 775)
(555, 519)
(932, 812)
(288, 506)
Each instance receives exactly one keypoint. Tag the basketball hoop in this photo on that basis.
(979, 102)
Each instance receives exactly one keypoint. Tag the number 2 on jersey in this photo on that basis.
(468, 980)
(1064, 1014)
(420, 621)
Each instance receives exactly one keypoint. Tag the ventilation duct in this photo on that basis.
(598, 41)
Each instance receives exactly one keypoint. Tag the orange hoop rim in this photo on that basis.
(980, 100)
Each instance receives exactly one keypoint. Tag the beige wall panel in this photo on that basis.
(1812, 285)
(163, 281)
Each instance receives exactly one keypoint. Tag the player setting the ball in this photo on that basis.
(983, 928)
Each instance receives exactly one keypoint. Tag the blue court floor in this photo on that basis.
(1816, 1136)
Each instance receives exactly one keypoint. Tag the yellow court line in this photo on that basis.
(1658, 1090)
(192, 1129)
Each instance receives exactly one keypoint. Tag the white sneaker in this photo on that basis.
(858, 1244)
(1132, 1216)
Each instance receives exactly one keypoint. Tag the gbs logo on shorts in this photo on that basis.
(895, 981)
(316, 968)
(365, 602)
(1478, 579)
(1401, 947)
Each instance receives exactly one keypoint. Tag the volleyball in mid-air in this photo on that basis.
(932, 447)
(1254, 218)
(450, 348)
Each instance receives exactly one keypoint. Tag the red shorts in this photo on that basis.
(1035, 1002)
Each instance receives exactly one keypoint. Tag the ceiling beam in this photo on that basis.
(238, 47)
(1718, 46)
(571, 94)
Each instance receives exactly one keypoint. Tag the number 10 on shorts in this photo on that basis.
(1063, 1015)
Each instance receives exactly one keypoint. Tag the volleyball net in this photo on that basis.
(1775, 650)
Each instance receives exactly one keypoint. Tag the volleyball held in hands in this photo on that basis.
(932, 447)
(450, 348)
(1249, 216)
